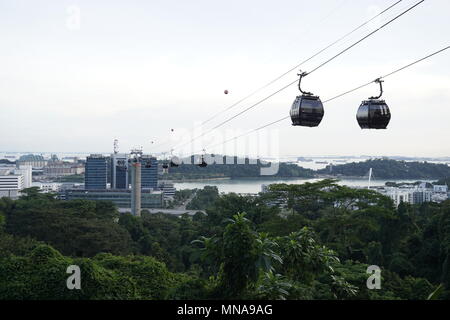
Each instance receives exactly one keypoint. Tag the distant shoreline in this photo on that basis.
(294, 178)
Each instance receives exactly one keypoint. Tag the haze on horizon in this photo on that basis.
(133, 70)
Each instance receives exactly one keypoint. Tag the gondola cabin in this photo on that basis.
(202, 163)
(373, 114)
(307, 111)
(174, 162)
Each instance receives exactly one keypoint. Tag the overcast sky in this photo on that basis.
(133, 70)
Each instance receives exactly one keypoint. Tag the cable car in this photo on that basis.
(203, 163)
(307, 109)
(174, 162)
(147, 163)
(374, 113)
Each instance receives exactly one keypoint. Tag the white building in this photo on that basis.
(440, 189)
(439, 197)
(417, 195)
(400, 195)
(48, 187)
(26, 171)
(10, 184)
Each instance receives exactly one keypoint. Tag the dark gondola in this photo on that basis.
(174, 162)
(202, 163)
(307, 109)
(374, 113)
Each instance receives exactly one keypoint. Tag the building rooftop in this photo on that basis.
(4, 172)
(31, 157)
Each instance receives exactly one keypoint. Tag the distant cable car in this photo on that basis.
(174, 162)
(307, 109)
(226, 92)
(203, 163)
(374, 113)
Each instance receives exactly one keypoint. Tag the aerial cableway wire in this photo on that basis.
(301, 63)
(337, 96)
(295, 81)
(291, 69)
(167, 140)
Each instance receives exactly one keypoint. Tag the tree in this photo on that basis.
(239, 252)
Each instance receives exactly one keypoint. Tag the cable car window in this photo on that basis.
(363, 111)
(310, 106)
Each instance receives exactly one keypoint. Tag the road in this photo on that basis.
(167, 211)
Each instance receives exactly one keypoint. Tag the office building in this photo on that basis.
(440, 188)
(149, 172)
(421, 196)
(96, 172)
(168, 189)
(10, 183)
(26, 171)
(59, 169)
(121, 198)
(119, 171)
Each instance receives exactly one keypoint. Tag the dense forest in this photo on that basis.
(317, 243)
(390, 169)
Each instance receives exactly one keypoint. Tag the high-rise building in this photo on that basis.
(96, 172)
(149, 172)
(119, 171)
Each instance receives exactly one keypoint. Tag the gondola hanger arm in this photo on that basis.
(380, 82)
(301, 75)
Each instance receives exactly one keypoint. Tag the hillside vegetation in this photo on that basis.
(235, 170)
(317, 244)
(391, 169)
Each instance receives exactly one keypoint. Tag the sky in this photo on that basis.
(75, 75)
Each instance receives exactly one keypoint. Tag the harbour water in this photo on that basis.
(255, 185)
